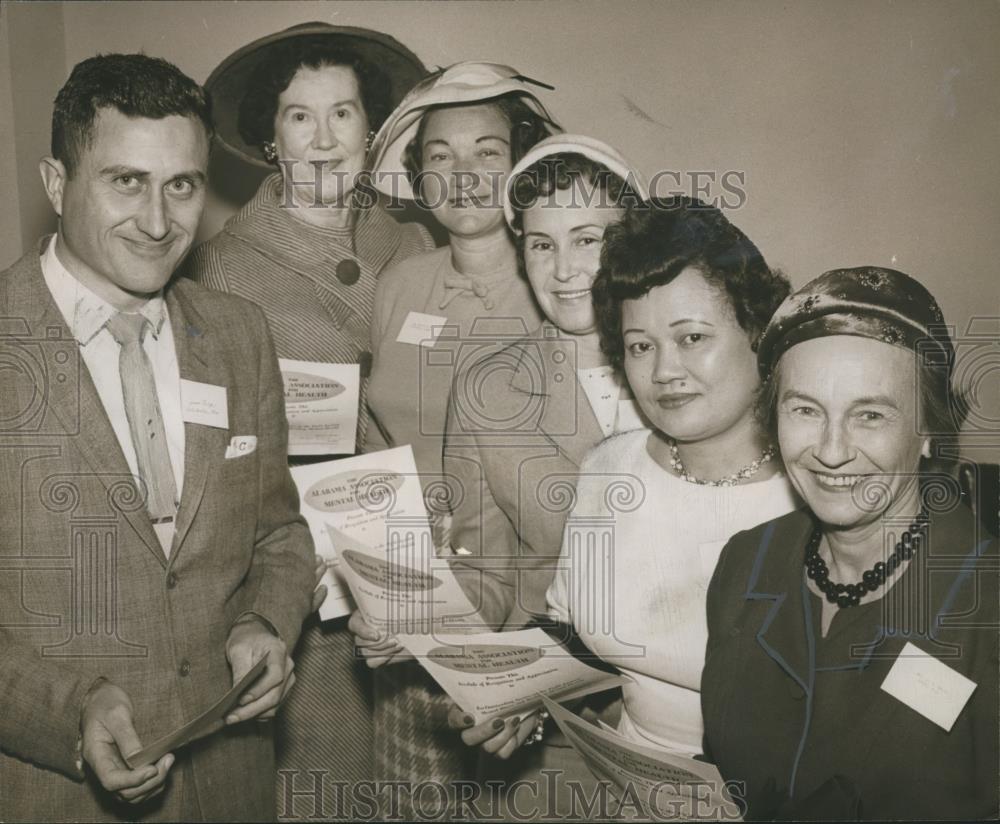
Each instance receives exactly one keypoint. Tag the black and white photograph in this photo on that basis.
(499, 410)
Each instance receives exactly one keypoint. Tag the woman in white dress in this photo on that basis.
(681, 299)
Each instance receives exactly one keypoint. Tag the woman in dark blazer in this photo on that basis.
(852, 657)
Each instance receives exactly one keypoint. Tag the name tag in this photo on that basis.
(420, 329)
(205, 404)
(928, 686)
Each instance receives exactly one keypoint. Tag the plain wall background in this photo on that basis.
(867, 130)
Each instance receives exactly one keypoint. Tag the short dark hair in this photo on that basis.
(562, 171)
(275, 72)
(660, 238)
(527, 127)
(135, 84)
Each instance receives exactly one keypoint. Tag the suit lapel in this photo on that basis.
(75, 404)
(567, 420)
(192, 340)
(786, 634)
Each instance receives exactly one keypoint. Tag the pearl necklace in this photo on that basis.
(850, 595)
(747, 471)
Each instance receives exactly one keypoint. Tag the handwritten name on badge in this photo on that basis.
(205, 404)
(928, 686)
(421, 329)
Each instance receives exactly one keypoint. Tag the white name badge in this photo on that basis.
(205, 404)
(420, 329)
(928, 686)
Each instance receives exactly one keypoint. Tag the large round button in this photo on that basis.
(185, 668)
(348, 271)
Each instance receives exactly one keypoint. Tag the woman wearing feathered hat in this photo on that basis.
(307, 248)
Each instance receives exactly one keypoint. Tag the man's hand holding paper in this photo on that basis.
(108, 731)
(249, 642)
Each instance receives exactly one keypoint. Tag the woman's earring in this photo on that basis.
(369, 140)
(270, 151)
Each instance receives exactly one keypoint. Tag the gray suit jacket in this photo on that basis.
(85, 588)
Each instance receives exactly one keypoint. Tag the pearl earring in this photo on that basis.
(369, 140)
(270, 151)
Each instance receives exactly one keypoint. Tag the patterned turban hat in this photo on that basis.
(867, 302)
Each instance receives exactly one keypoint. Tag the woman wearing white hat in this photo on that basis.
(308, 250)
(515, 488)
(450, 145)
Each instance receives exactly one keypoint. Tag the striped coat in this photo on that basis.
(290, 269)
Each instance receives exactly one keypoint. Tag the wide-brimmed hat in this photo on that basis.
(228, 82)
(590, 147)
(467, 82)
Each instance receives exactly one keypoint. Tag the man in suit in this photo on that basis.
(151, 550)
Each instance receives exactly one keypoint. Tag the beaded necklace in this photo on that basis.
(850, 595)
(747, 471)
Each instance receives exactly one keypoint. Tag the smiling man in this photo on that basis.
(151, 546)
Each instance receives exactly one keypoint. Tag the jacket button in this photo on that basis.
(185, 668)
(348, 272)
(171, 580)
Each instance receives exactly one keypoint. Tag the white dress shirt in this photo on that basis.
(87, 316)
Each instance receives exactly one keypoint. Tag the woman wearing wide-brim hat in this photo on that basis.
(308, 248)
(450, 146)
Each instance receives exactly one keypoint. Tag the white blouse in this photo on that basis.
(633, 582)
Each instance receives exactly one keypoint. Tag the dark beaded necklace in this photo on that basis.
(850, 595)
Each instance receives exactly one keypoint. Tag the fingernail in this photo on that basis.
(514, 722)
(170, 761)
(498, 724)
(468, 720)
(232, 719)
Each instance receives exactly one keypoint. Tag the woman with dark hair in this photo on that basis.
(681, 300)
(451, 145)
(521, 422)
(864, 627)
(308, 249)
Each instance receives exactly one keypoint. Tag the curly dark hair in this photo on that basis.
(660, 238)
(562, 171)
(135, 84)
(527, 128)
(273, 75)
